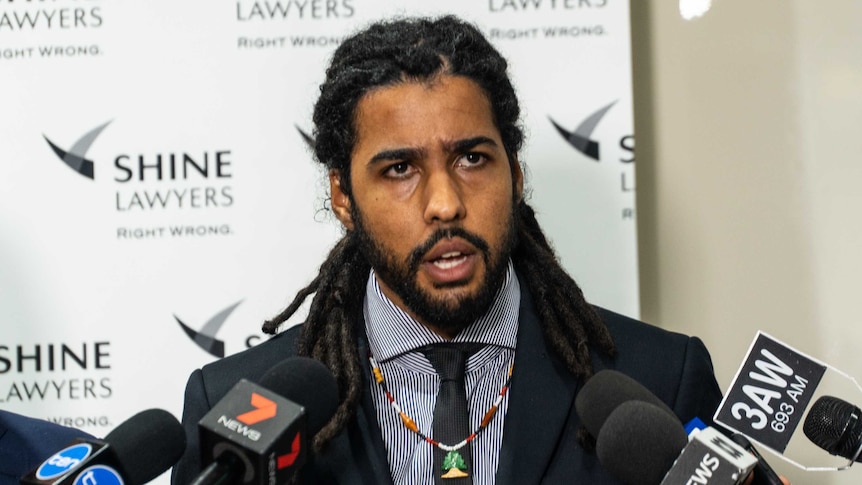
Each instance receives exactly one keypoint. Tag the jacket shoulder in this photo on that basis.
(630, 333)
(675, 367)
(220, 376)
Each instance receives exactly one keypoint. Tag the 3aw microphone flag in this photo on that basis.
(771, 394)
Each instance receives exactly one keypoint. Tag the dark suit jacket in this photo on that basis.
(540, 432)
(27, 442)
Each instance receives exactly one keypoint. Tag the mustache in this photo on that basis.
(416, 256)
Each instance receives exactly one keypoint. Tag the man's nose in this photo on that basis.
(443, 198)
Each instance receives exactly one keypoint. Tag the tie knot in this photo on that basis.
(450, 360)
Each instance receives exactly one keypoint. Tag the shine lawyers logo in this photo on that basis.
(146, 179)
(76, 157)
(205, 338)
(581, 139)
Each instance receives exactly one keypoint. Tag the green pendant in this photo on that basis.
(454, 466)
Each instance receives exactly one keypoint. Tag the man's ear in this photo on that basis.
(517, 179)
(339, 199)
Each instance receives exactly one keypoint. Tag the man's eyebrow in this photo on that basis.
(396, 154)
(461, 146)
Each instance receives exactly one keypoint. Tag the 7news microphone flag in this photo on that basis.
(261, 433)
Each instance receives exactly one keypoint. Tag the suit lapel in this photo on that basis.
(358, 456)
(372, 437)
(540, 401)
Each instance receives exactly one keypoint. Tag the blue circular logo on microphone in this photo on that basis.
(98, 475)
(64, 460)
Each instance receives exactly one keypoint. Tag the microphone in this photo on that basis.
(640, 440)
(641, 444)
(259, 434)
(835, 425)
(135, 452)
(605, 391)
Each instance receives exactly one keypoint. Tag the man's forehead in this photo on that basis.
(451, 106)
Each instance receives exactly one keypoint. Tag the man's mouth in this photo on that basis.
(449, 260)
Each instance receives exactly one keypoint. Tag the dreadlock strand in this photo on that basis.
(323, 299)
(329, 332)
(352, 387)
(570, 323)
(271, 326)
(554, 335)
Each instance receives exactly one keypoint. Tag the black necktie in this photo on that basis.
(451, 419)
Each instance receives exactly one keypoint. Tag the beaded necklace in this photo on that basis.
(453, 463)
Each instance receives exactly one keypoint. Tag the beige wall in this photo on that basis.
(749, 137)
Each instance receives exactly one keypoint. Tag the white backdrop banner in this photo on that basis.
(158, 200)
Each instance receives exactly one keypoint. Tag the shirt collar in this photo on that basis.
(392, 332)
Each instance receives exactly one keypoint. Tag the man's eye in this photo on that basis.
(398, 169)
(472, 158)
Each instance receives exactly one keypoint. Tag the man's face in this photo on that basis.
(432, 198)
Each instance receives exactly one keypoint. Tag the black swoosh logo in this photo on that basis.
(206, 337)
(76, 157)
(580, 138)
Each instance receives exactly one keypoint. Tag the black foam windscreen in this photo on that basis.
(308, 383)
(835, 425)
(147, 444)
(604, 392)
(639, 443)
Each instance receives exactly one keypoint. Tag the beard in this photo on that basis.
(445, 314)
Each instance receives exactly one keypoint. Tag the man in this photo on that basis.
(417, 124)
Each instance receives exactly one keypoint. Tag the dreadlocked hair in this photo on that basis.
(416, 50)
(328, 332)
(570, 324)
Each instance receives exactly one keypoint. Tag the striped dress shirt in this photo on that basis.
(394, 339)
